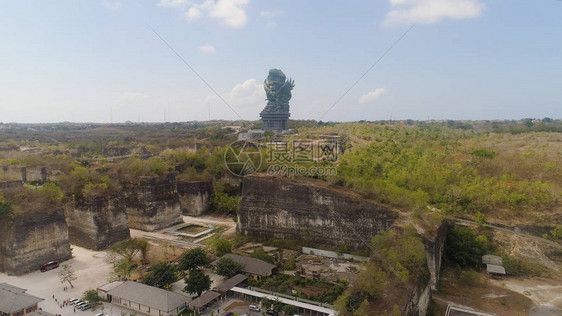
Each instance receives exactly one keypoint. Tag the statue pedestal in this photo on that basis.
(276, 121)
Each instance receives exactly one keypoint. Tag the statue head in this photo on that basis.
(276, 78)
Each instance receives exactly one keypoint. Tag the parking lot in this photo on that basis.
(91, 270)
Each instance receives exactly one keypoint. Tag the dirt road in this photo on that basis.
(545, 293)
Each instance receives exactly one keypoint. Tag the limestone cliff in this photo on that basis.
(98, 222)
(26, 242)
(420, 294)
(194, 196)
(152, 203)
(27, 174)
(282, 208)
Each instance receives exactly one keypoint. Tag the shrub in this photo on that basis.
(161, 275)
(222, 246)
(228, 267)
(462, 247)
(92, 297)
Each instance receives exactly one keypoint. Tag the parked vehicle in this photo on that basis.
(85, 307)
(49, 266)
(74, 301)
(271, 312)
(254, 308)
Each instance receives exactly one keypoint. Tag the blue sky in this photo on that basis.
(99, 61)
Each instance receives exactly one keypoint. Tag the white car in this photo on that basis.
(254, 308)
(101, 314)
(74, 301)
(80, 305)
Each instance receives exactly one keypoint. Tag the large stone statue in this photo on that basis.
(278, 90)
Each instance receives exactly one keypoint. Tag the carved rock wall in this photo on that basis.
(26, 174)
(434, 248)
(98, 223)
(281, 208)
(152, 203)
(29, 241)
(194, 196)
(421, 294)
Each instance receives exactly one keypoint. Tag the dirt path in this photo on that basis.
(91, 270)
(545, 293)
(465, 222)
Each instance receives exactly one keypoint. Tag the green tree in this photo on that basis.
(5, 209)
(53, 192)
(228, 267)
(462, 247)
(122, 269)
(557, 232)
(92, 297)
(161, 275)
(370, 282)
(222, 246)
(404, 250)
(290, 309)
(260, 254)
(266, 303)
(197, 282)
(66, 274)
(128, 248)
(480, 219)
(192, 259)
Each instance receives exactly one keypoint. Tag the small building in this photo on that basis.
(205, 300)
(15, 302)
(102, 290)
(253, 267)
(494, 265)
(251, 134)
(492, 259)
(145, 299)
(230, 283)
(493, 269)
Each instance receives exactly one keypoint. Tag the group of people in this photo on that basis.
(63, 303)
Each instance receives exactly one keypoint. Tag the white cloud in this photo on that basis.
(372, 95)
(247, 93)
(431, 11)
(207, 48)
(112, 5)
(246, 98)
(268, 16)
(231, 13)
(174, 3)
(193, 13)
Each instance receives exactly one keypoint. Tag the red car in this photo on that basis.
(49, 266)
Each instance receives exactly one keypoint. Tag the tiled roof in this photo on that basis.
(149, 296)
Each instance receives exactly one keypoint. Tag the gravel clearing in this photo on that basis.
(90, 268)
